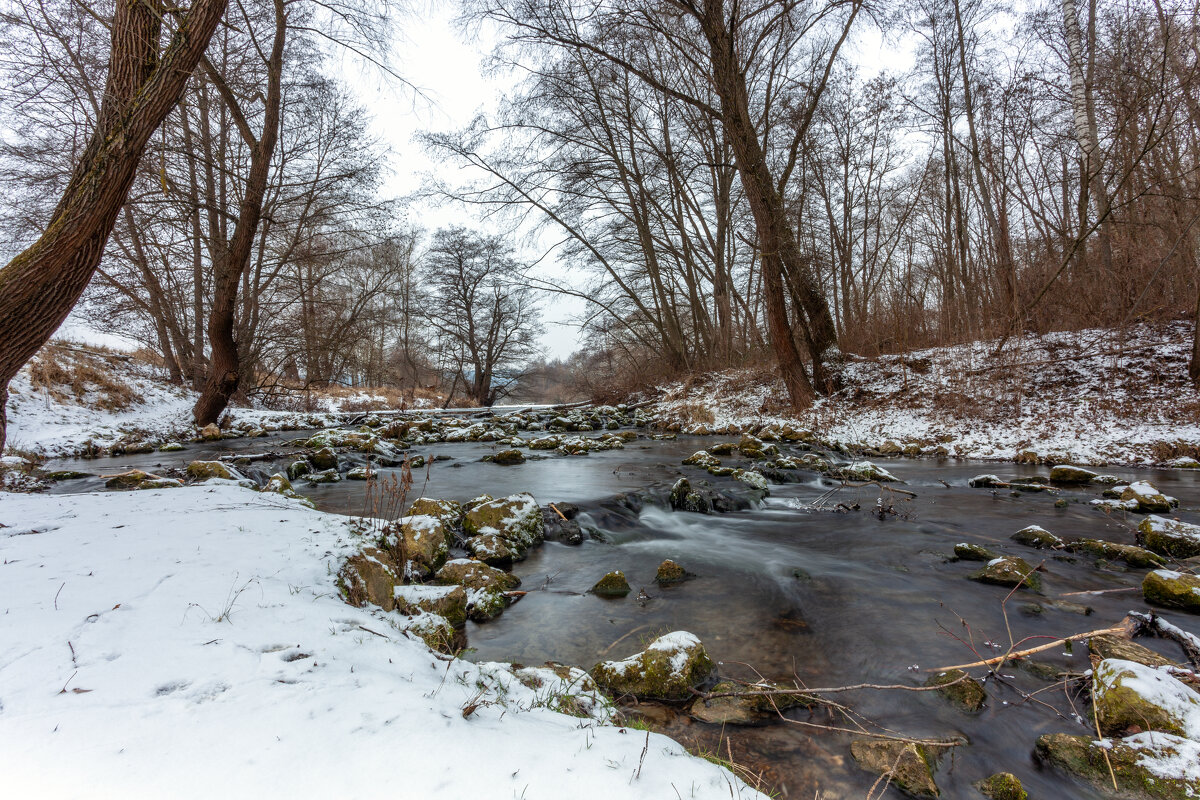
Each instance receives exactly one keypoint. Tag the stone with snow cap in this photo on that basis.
(668, 669)
(1169, 537)
(1008, 571)
(517, 519)
(1151, 765)
(864, 471)
(1065, 473)
(1149, 500)
(1130, 695)
(1164, 587)
(419, 542)
(1037, 536)
(449, 602)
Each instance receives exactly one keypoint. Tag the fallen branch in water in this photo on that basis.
(1152, 623)
(1125, 629)
(560, 514)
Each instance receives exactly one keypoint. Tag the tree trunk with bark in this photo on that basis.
(40, 286)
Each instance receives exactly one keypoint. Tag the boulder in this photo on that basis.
(909, 767)
(668, 669)
(960, 689)
(369, 577)
(1169, 537)
(1164, 587)
(1147, 765)
(965, 551)
(864, 471)
(447, 511)
(437, 633)
(723, 449)
(702, 459)
(325, 476)
(508, 457)
(472, 574)
(419, 543)
(558, 520)
(1008, 571)
(1127, 695)
(986, 482)
(1149, 500)
(1067, 474)
(492, 548)
(363, 473)
(669, 572)
(210, 432)
(752, 710)
(753, 479)
(1002, 786)
(517, 519)
(753, 447)
(1039, 537)
(1111, 551)
(683, 498)
(298, 468)
(137, 479)
(203, 470)
(324, 459)
(612, 585)
(448, 602)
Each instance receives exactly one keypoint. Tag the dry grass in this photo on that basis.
(89, 378)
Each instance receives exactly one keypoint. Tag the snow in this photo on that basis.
(1087, 397)
(189, 643)
(1156, 686)
(1165, 755)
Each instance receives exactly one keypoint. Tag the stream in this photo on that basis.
(786, 591)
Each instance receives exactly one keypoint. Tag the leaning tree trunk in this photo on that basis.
(775, 238)
(225, 364)
(40, 286)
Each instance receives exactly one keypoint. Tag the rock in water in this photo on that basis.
(1111, 551)
(418, 543)
(476, 575)
(1008, 571)
(669, 572)
(1147, 765)
(509, 457)
(1164, 587)
(1002, 786)
(1149, 500)
(612, 585)
(964, 551)
(1108, 646)
(668, 669)
(517, 519)
(324, 459)
(1037, 536)
(752, 710)
(1071, 475)
(1169, 537)
(908, 766)
(448, 602)
(1128, 695)
(960, 689)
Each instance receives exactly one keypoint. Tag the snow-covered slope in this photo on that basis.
(189, 643)
(1086, 397)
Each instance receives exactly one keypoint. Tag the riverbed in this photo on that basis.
(790, 592)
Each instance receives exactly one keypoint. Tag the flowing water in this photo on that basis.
(788, 592)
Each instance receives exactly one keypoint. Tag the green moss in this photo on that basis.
(508, 457)
(656, 673)
(449, 512)
(1083, 758)
(1038, 537)
(908, 766)
(669, 572)
(964, 551)
(1002, 786)
(1131, 555)
(1008, 571)
(476, 575)
(960, 689)
(203, 470)
(612, 585)
(1172, 590)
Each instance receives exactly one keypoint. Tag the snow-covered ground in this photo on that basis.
(190, 643)
(1085, 397)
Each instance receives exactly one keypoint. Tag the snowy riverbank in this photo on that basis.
(1088, 397)
(192, 644)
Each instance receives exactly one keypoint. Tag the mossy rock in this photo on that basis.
(1106, 645)
(473, 574)
(449, 512)
(1111, 551)
(418, 542)
(702, 459)
(753, 447)
(752, 478)
(1038, 537)
(1149, 500)
(485, 604)
(203, 470)
(324, 459)
(369, 577)
(683, 498)
(864, 471)
(132, 479)
(1127, 695)
(1131, 759)
(965, 551)
(516, 518)
(669, 572)
(508, 457)
(752, 710)
(987, 482)
(960, 689)
(1164, 587)
(325, 476)
(612, 585)
(723, 449)
(1169, 537)
(278, 484)
(908, 766)
(1002, 786)
(170, 447)
(448, 602)
(1067, 474)
(493, 549)
(67, 475)
(363, 473)
(160, 483)
(437, 633)
(545, 443)
(210, 432)
(668, 669)
(298, 468)
(1008, 571)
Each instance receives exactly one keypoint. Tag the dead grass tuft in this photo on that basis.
(87, 378)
